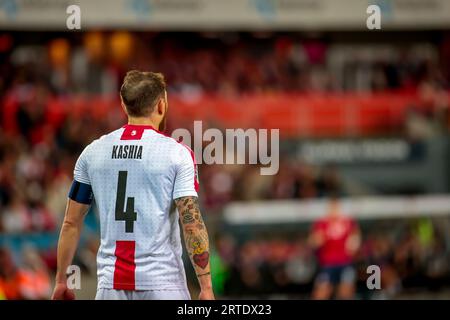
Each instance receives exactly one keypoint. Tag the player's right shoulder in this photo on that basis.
(104, 139)
(108, 138)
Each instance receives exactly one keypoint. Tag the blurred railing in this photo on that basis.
(381, 207)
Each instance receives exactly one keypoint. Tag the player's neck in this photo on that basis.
(142, 122)
(334, 215)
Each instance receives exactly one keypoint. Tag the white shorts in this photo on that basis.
(112, 294)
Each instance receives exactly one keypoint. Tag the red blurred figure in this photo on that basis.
(11, 277)
(336, 238)
(29, 283)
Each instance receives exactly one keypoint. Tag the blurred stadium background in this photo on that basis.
(362, 114)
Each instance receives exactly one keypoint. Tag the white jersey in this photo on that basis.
(135, 173)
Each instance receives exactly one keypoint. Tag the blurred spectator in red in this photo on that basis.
(336, 238)
(36, 283)
(30, 282)
(11, 278)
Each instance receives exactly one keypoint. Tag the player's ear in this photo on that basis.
(123, 106)
(161, 107)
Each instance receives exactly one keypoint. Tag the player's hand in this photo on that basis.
(317, 239)
(61, 292)
(352, 244)
(206, 294)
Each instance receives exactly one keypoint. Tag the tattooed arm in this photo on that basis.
(197, 243)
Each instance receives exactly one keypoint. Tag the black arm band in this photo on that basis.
(81, 192)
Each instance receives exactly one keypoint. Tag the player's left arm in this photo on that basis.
(197, 242)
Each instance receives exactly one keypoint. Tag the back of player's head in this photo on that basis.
(141, 91)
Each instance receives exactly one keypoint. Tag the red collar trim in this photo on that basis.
(135, 132)
(140, 127)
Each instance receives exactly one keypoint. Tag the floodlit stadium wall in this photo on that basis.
(230, 14)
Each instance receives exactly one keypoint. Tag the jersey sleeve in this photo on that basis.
(186, 177)
(80, 173)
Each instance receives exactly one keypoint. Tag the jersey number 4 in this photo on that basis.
(129, 215)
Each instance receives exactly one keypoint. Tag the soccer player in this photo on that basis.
(336, 238)
(134, 173)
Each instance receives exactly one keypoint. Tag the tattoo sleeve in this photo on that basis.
(195, 234)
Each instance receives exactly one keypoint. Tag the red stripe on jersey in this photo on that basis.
(124, 269)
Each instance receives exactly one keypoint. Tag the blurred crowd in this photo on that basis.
(411, 255)
(193, 63)
(40, 142)
(30, 281)
(294, 180)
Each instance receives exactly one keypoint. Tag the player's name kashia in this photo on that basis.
(126, 152)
